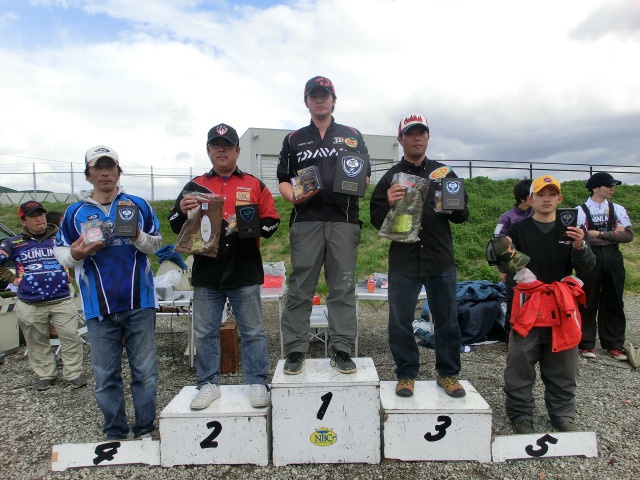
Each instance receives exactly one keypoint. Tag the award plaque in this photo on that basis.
(452, 194)
(566, 217)
(126, 219)
(352, 170)
(248, 221)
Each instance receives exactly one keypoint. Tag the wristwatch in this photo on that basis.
(600, 235)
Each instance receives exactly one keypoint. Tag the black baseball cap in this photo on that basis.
(27, 208)
(601, 179)
(223, 131)
(319, 82)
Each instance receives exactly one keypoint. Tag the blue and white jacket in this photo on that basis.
(118, 277)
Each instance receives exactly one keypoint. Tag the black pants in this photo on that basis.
(557, 371)
(604, 286)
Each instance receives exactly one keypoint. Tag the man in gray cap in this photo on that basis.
(608, 225)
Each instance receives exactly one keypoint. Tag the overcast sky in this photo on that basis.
(543, 80)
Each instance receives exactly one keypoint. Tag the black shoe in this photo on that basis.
(44, 384)
(293, 364)
(342, 361)
(78, 382)
(523, 426)
(148, 433)
(565, 426)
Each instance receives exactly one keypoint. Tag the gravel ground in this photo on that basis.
(608, 403)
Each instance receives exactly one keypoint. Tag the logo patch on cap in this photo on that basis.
(222, 129)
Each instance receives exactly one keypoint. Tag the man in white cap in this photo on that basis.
(428, 262)
(114, 275)
(608, 225)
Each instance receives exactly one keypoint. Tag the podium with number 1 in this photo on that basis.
(323, 416)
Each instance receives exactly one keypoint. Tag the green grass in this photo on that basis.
(488, 199)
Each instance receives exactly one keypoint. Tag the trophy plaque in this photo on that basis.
(248, 221)
(566, 217)
(352, 170)
(452, 194)
(126, 219)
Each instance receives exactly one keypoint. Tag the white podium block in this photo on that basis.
(229, 431)
(323, 416)
(431, 425)
(109, 452)
(552, 444)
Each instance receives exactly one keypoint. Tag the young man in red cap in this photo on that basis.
(428, 262)
(544, 333)
(608, 225)
(43, 293)
(325, 230)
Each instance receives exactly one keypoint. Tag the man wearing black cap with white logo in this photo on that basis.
(325, 230)
(43, 293)
(235, 274)
(608, 225)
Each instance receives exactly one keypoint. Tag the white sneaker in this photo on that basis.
(260, 396)
(207, 394)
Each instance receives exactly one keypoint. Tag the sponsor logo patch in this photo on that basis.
(323, 437)
(439, 173)
(351, 142)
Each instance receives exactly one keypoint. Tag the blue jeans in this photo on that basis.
(208, 304)
(137, 327)
(403, 296)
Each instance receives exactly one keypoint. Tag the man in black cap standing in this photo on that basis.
(235, 274)
(325, 230)
(608, 225)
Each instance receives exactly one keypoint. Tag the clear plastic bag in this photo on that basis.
(200, 233)
(404, 219)
(274, 274)
(164, 284)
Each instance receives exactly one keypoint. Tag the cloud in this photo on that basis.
(525, 81)
(619, 18)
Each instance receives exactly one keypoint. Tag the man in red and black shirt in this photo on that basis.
(325, 230)
(236, 274)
